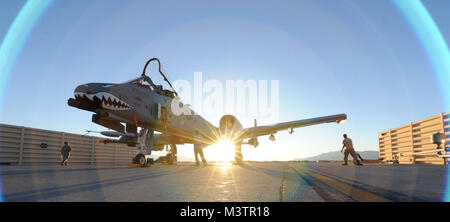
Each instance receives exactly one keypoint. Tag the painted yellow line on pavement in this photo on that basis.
(353, 192)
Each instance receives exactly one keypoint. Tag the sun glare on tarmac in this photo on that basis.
(221, 151)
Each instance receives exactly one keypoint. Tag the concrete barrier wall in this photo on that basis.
(23, 145)
(413, 138)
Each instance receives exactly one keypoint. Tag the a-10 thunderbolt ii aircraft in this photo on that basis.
(139, 103)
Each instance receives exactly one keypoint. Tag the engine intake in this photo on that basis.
(229, 125)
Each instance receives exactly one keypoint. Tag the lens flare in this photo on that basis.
(14, 41)
(221, 151)
(434, 45)
(16, 37)
(414, 11)
(225, 166)
(432, 41)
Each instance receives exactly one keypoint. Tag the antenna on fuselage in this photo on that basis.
(164, 76)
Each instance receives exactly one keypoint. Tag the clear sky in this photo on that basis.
(355, 57)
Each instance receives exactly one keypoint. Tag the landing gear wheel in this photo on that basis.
(141, 160)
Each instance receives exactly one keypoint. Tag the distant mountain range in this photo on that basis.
(336, 155)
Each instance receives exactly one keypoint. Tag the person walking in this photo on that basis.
(65, 153)
(349, 149)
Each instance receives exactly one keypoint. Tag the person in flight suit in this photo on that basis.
(349, 149)
(65, 152)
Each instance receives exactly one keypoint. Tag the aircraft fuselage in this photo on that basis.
(140, 106)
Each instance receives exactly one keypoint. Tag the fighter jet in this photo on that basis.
(139, 103)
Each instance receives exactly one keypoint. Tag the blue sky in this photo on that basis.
(355, 57)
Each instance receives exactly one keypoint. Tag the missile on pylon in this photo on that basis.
(117, 134)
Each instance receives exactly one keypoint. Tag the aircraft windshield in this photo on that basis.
(143, 82)
(146, 82)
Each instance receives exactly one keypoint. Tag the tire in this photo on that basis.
(141, 160)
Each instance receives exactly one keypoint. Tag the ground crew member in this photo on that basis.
(198, 150)
(65, 153)
(347, 143)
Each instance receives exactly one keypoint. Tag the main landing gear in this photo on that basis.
(238, 158)
(171, 156)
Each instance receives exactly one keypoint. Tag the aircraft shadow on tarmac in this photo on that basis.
(54, 192)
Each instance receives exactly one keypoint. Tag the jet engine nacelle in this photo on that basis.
(229, 124)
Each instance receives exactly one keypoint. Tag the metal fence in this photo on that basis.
(23, 145)
(414, 138)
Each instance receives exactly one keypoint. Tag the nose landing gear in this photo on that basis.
(140, 159)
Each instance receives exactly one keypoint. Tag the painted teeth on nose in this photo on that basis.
(110, 101)
(90, 97)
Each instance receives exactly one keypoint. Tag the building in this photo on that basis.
(413, 138)
(24, 145)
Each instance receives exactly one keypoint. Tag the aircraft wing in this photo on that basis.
(271, 129)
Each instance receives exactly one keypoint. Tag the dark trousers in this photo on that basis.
(351, 152)
(199, 151)
(65, 158)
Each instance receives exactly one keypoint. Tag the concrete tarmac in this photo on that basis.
(269, 181)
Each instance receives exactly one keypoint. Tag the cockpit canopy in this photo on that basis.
(146, 82)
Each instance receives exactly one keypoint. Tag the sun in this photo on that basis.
(221, 151)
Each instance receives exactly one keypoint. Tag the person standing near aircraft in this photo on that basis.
(348, 144)
(65, 153)
(198, 150)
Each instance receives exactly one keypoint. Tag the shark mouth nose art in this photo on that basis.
(108, 101)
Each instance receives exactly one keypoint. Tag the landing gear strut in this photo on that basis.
(140, 154)
(171, 157)
(238, 158)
